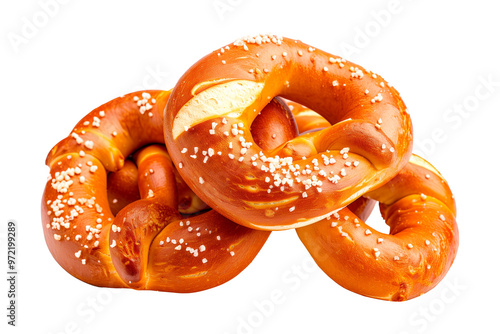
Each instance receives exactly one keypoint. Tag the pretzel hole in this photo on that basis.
(278, 123)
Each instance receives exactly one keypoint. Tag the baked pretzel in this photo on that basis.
(215, 102)
(148, 245)
(419, 207)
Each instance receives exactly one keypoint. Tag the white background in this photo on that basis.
(440, 55)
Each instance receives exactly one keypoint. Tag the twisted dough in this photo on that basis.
(122, 187)
(303, 180)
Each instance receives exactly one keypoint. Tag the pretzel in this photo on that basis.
(419, 207)
(212, 108)
(148, 245)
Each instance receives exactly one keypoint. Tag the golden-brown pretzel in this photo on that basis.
(417, 253)
(147, 245)
(306, 179)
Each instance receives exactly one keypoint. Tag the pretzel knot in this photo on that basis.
(305, 179)
(149, 244)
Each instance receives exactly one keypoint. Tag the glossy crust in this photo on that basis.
(122, 187)
(417, 253)
(148, 245)
(216, 101)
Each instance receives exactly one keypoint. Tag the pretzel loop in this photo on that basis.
(421, 245)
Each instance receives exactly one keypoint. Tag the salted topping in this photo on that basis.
(96, 122)
(377, 98)
(145, 103)
(258, 39)
(89, 144)
(62, 180)
(78, 139)
(65, 208)
(340, 61)
(356, 72)
(283, 172)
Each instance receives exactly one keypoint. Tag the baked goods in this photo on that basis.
(215, 102)
(120, 210)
